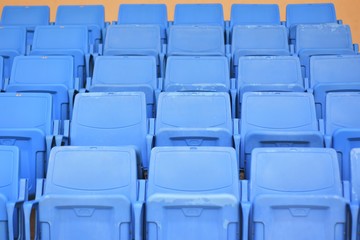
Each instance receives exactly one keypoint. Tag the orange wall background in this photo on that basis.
(346, 10)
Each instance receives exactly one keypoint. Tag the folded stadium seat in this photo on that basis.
(193, 193)
(199, 74)
(127, 73)
(277, 119)
(12, 44)
(325, 39)
(91, 16)
(26, 16)
(103, 202)
(12, 192)
(339, 73)
(254, 14)
(342, 126)
(355, 192)
(199, 14)
(294, 193)
(313, 13)
(26, 122)
(258, 40)
(154, 14)
(195, 119)
(52, 74)
(65, 40)
(135, 40)
(110, 119)
(269, 74)
(191, 40)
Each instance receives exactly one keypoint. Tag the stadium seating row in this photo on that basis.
(272, 119)
(55, 75)
(292, 193)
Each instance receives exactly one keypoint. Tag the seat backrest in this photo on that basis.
(340, 69)
(324, 36)
(282, 171)
(26, 111)
(110, 119)
(190, 185)
(42, 70)
(196, 41)
(342, 111)
(193, 170)
(252, 40)
(9, 173)
(191, 73)
(89, 15)
(104, 171)
(12, 40)
(310, 14)
(25, 15)
(276, 73)
(133, 40)
(59, 39)
(143, 14)
(254, 14)
(124, 70)
(354, 175)
(199, 14)
(278, 111)
(193, 119)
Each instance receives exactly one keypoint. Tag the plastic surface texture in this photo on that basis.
(26, 121)
(278, 119)
(193, 188)
(191, 73)
(193, 119)
(342, 125)
(52, 74)
(96, 203)
(199, 14)
(284, 207)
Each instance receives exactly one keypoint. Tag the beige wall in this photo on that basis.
(347, 10)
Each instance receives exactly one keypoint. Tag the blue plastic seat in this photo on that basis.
(69, 40)
(26, 122)
(135, 40)
(91, 16)
(111, 119)
(193, 193)
(26, 16)
(269, 74)
(195, 119)
(294, 193)
(52, 74)
(262, 40)
(254, 14)
(12, 44)
(313, 13)
(196, 41)
(12, 192)
(277, 119)
(199, 14)
(154, 14)
(328, 39)
(342, 126)
(333, 74)
(197, 74)
(355, 192)
(89, 193)
(127, 73)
